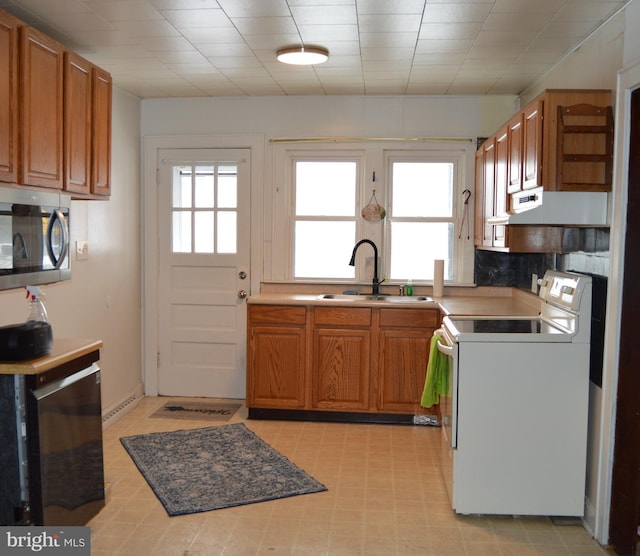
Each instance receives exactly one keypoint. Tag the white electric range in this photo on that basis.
(515, 420)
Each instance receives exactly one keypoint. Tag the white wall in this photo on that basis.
(102, 299)
(314, 116)
(330, 116)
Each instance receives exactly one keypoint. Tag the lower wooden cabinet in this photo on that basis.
(358, 359)
(405, 336)
(341, 366)
(276, 358)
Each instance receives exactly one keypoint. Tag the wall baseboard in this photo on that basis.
(120, 409)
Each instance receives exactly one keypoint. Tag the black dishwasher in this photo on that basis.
(58, 454)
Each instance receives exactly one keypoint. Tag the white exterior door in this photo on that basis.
(203, 271)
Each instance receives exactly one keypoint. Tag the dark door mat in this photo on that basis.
(202, 411)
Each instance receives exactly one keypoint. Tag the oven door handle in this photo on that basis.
(443, 348)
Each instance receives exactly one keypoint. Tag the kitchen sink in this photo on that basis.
(381, 298)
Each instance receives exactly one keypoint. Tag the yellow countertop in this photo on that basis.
(64, 350)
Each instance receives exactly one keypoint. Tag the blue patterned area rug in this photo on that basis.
(216, 467)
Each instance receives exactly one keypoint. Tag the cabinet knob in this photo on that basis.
(242, 294)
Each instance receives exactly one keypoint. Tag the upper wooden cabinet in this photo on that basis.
(41, 103)
(87, 127)
(531, 161)
(9, 27)
(77, 123)
(55, 115)
(567, 142)
(101, 132)
(561, 141)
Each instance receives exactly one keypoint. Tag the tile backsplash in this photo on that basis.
(584, 250)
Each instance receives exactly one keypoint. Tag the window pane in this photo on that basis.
(227, 191)
(422, 189)
(227, 232)
(181, 197)
(323, 249)
(414, 247)
(325, 188)
(181, 240)
(204, 187)
(203, 233)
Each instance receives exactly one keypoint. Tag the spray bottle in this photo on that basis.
(37, 312)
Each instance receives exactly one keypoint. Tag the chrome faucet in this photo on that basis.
(352, 262)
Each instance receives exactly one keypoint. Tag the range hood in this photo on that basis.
(556, 208)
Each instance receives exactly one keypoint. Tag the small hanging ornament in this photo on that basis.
(373, 211)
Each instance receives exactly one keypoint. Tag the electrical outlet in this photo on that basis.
(82, 250)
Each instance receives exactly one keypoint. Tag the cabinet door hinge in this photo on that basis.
(158, 359)
(157, 176)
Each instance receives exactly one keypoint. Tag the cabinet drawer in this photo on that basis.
(410, 318)
(355, 316)
(277, 314)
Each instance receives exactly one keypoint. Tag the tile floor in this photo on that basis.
(386, 497)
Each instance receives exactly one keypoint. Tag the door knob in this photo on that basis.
(242, 294)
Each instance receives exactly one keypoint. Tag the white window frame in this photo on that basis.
(279, 266)
(427, 155)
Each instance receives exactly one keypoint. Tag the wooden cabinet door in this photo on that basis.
(478, 201)
(101, 133)
(500, 186)
(405, 336)
(404, 355)
(489, 167)
(340, 373)
(77, 123)
(341, 368)
(276, 367)
(532, 145)
(8, 98)
(41, 86)
(514, 174)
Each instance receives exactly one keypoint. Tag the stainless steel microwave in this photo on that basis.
(34, 237)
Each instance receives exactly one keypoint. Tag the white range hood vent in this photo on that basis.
(568, 208)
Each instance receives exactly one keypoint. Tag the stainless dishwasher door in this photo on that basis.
(66, 476)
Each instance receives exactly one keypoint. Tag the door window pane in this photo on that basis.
(181, 232)
(204, 184)
(181, 189)
(203, 236)
(204, 199)
(227, 232)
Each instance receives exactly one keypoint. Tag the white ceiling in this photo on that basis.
(189, 48)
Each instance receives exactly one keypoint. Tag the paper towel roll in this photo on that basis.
(438, 278)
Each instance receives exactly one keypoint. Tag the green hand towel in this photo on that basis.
(437, 380)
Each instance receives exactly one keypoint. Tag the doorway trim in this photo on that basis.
(149, 197)
(628, 81)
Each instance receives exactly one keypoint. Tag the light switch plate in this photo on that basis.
(82, 250)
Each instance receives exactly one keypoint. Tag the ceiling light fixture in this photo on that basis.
(302, 55)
